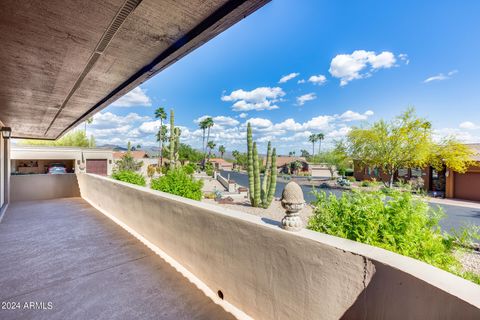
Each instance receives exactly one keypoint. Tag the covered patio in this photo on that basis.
(75, 263)
(84, 246)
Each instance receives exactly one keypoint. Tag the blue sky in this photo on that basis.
(348, 61)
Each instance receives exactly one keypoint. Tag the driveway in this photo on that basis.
(456, 215)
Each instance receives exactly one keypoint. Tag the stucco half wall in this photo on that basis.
(43, 186)
(265, 272)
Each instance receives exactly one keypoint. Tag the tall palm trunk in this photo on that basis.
(313, 148)
(160, 144)
(203, 141)
(319, 146)
(204, 152)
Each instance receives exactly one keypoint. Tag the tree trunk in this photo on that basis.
(319, 146)
(160, 158)
(313, 149)
(204, 153)
(390, 183)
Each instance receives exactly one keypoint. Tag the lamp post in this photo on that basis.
(6, 132)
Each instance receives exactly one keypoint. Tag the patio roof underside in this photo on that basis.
(64, 60)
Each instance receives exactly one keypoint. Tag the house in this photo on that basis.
(221, 164)
(320, 170)
(86, 246)
(284, 164)
(37, 159)
(446, 183)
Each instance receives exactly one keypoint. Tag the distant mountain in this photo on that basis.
(112, 146)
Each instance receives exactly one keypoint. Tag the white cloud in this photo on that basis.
(262, 98)
(469, 125)
(306, 97)
(289, 77)
(404, 57)
(289, 125)
(260, 122)
(458, 134)
(339, 133)
(318, 123)
(110, 128)
(359, 64)
(320, 79)
(440, 77)
(350, 115)
(288, 134)
(301, 81)
(149, 126)
(104, 120)
(219, 120)
(243, 115)
(135, 98)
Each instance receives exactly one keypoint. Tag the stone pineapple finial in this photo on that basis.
(292, 202)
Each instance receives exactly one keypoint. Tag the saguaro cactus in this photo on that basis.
(172, 140)
(261, 192)
(267, 172)
(176, 148)
(272, 180)
(256, 178)
(173, 148)
(251, 183)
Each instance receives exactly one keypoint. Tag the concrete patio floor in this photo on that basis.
(75, 263)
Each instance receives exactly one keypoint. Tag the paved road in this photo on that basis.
(456, 216)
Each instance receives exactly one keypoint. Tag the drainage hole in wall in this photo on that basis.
(220, 294)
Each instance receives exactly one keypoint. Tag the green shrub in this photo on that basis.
(190, 168)
(209, 169)
(366, 183)
(400, 223)
(351, 179)
(348, 172)
(130, 177)
(177, 181)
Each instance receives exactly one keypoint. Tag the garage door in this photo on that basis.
(97, 166)
(467, 186)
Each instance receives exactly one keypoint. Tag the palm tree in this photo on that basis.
(203, 126)
(209, 123)
(222, 150)
(211, 145)
(88, 121)
(161, 115)
(206, 123)
(313, 138)
(162, 137)
(320, 137)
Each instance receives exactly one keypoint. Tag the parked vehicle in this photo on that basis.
(57, 168)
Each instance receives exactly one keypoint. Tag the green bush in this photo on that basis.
(130, 177)
(348, 172)
(209, 169)
(351, 179)
(190, 168)
(400, 223)
(177, 181)
(366, 183)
